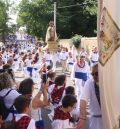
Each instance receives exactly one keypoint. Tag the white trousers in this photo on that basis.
(78, 89)
(95, 123)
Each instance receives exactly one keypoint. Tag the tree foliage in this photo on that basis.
(5, 28)
(76, 40)
(3, 20)
(80, 19)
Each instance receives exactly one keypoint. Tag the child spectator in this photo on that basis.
(23, 121)
(26, 87)
(70, 90)
(56, 90)
(70, 61)
(62, 117)
(56, 93)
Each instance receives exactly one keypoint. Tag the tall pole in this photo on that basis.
(55, 14)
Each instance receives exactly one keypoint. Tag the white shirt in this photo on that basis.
(61, 124)
(63, 55)
(48, 56)
(83, 53)
(35, 113)
(16, 56)
(70, 60)
(76, 68)
(94, 56)
(9, 99)
(31, 124)
(54, 57)
(28, 62)
(1, 67)
(89, 95)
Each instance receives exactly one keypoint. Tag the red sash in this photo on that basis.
(59, 114)
(56, 94)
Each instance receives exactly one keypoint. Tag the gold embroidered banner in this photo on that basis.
(109, 37)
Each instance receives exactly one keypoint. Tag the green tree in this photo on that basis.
(3, 20)
(5, 26)
(35, 15)
(80, 19)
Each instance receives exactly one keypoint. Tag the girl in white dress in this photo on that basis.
(70, 61)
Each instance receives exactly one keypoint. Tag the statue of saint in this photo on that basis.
(51, 33)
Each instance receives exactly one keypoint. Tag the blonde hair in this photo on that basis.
(5, 81)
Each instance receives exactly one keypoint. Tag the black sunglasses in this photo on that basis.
(82, 56)
(95, 74)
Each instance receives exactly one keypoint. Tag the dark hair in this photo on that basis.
(26, 86)
(70, 90)
(36, 58)
(25, 56)
(7, 68)
(21, 102)
(51, 75)
(49, 67)
(59, 80)
(8, 125)
(69, 100)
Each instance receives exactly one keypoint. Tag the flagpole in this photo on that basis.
(55, 10)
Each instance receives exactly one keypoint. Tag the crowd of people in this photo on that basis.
(15, 39)
(69, 105)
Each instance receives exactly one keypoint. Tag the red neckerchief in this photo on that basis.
(60, 115)
(51, 82)
(80, 65)
(57, 93)
(23, 122)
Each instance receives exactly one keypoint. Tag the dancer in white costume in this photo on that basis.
(80, 73)
(63, 58)
(48, 57)
(70, 61)
(16, 62)
(54, 60)
(94, 56)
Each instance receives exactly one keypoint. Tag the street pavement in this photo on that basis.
(19, 77)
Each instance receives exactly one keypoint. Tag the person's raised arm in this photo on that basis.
(81, 123)
(37, 102)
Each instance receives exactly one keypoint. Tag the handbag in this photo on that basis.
(40, 123)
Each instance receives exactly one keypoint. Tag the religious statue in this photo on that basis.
(51, 37)
(51, 33)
